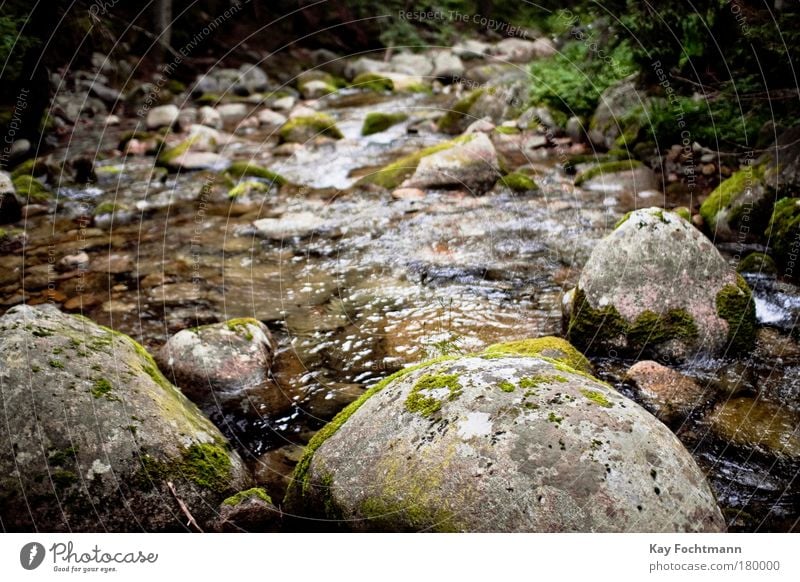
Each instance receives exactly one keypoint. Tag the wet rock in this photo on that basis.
(447, 66)
(304, 128)
(616, 103)
(783, 233)
(502, 443)
(411, 64)
(739, 207)
(472, 164)
(618, 176)
(10, 208)
(106, 424)
(232, 113)
(484, 125)
(162, 116)
(274, 468)
(471, 49)
(270, 118)
(252, 79)
(519, 50)
(668, 393)
(378, 121)
(657, 286)
(210, 117)
(248, 511)
(363, 65)
(114, 264)
(71, 262)
(284, 103)
(757, 264)
(223, 366)
(757, 424)
(289, 225)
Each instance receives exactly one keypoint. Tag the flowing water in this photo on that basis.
(355, 284)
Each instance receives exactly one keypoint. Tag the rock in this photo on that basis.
(113, 264)
(274, 468)
(575, 130)
(363, 65)
(317, 89)
(519, 50)
(757, 264)
(519, 182)
(657, 286)
(271, 118)
(210, 117)
(377, 122)
(224, 367)
(757, 424)
(410, 64)
(620, 176)
(616, 103)
(194, 161)
(379, 82)
(472, 164)
(306, 128)
(79, 260)
(471, 49)
(10, 208)
(252, 79)
(408, 194)
(232, 113)
(484, 125)
(284, 103)
(500, 443)
(407, 83)
(739, 207)
(107, 425)
(783, 232)
(248, 511)
(162, 116)
(458, 117)
(669, 394)
(447, 66)
(289, 225)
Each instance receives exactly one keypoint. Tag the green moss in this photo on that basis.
(208, 465)
(373, 82)
(166, 157)
(426, 404)
(242, 326)
(727, 192)
(606, 168)
(255, 492)
(377, 122)
(450, 122)
(239, 170)
(623, 220)
(31, 167)
(174, 86)
(297, 128)
(596, 327)
(550, 347)
(757, 263)
(683, 212)
(107, 207)
(506, 130)
(300, 482)
(56, 364)
(246, 187)
(100, 388)
(136, 134)
(519, 182)
(507, 386)
(392, 175)
(59, 457)
(63, 478)
(783, 233)
(209, 99)
(554, 418)
(31, 189)
(736, 306)
(597, 397)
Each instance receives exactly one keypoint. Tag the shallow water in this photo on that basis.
(364, 284)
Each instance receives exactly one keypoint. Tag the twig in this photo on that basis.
(183, 507)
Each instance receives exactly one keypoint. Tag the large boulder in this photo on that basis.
(657, 286)
(224, 367)
(783, 234)
(472, 164)
(500, 442)
(95, 438)
(670, 395)
(613, 111)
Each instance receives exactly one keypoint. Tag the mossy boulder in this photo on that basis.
(615, 176)
(783, 234)
(224, 367)
(457, 118)
(31, 190)
(307, 127)
(377, 122)
(657, 286)
(554, 348)
(670, 395)
(757, 263)
(500, 443)
(239, 170)
(94, 432)
(251, 510)
(373, 82)
(615, 116)
(739, 208)
(472, 165)
(519, 182)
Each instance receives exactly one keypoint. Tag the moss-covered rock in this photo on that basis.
(377, 122)
(550, 434)
(31, 190)
(757, 263)
(392, 175)
(456, 119)
(239, 170)
(519, 182)
(554, 348)
(373, 82)
(107, 423)
(783, 234)
(605, 169)
(304, 128)
(739, 208)
(657, 286)
(759, 425)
